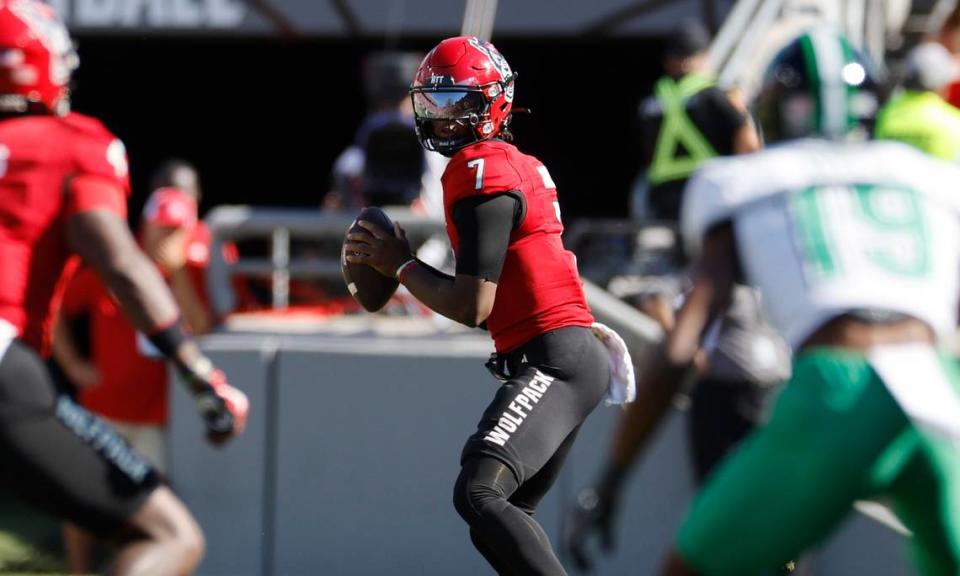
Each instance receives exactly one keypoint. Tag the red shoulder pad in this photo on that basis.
(486, 168)
(97, 152)
(87, 125)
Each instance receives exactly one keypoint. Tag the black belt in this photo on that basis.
(504, 366)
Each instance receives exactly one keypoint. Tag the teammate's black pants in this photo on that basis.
(60, 457)
(521, 443)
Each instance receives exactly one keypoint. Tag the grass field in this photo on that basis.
(29, 540)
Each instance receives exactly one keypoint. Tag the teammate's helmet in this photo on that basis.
(462, 94)
(817, 85)
(37, 58)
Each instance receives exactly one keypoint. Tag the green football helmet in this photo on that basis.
(818, 85)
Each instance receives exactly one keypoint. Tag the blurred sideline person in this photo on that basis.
(175, 237)
(124, 380)
(918, 115)
(385, 165)
(513, 277)
(687, 121)
(180, 174)
(63, 189)
(855, 247)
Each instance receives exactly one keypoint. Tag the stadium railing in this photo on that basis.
(279, 228)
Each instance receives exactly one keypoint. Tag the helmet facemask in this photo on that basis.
(462, 94)
(451, 117)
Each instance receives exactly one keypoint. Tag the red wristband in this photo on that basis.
(403, 268)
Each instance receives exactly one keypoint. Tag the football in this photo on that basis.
(367, 286)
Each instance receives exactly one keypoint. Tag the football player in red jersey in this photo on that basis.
(63, 188)
(514, 277)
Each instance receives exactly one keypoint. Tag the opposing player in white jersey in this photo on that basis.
(856, 249)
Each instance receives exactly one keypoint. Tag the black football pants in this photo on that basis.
(521, 443)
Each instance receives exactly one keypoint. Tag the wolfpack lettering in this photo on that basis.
(517, 411)
(102, 439)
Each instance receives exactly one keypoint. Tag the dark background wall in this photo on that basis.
(264, 119)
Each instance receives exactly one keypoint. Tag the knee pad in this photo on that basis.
(483, 486)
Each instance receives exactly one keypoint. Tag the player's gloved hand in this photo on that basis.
(592, 516)
(497, 366)
(223, 408)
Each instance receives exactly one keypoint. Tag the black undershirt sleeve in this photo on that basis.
(484, 224)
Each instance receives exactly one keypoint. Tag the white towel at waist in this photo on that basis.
(623, 383)
(8, 334)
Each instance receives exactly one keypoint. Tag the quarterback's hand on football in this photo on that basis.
(378, 248)
(592, 515)
(223, 408)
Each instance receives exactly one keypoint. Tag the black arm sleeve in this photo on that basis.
(483, 226)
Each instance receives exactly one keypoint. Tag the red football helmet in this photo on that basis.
(37, 58)
(462, 94)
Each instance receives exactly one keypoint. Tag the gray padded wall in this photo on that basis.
(368, 450)
(348, 464)
(224, 486)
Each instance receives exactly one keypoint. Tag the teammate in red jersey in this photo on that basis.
(513, 277)
(63, 187)
(120, 379)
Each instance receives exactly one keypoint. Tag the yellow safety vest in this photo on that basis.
(924, 120)
(677, 128)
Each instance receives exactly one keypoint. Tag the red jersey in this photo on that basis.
(539, 287)
(39, 156)
(133, 387)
